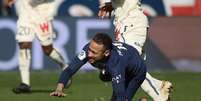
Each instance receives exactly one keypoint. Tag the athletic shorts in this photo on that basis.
(27, 32)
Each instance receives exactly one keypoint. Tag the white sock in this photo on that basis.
(56, 56)
(150, 87)
(24, 65)
(157, 82)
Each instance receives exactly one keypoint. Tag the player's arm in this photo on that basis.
(67, 73)
(8, 3)
(105, 8)
(59, 91)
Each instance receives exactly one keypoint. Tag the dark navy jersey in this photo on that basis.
(123, 64)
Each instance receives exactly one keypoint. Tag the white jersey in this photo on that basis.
(128, 11)
(36, 8)
(130, 21)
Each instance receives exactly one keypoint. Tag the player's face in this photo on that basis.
(96, 52)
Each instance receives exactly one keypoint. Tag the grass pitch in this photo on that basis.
(87, 87)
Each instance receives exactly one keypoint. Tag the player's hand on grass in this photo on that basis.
(59, 91)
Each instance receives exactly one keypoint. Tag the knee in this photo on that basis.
(25, 45)
(47, 49)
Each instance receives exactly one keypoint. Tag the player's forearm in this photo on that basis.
(73, 67)
(123, 12)
(65, 76)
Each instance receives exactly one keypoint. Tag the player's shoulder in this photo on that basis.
(115, 57)
(86, 47)
(83, 53)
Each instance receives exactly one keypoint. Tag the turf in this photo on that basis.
(87, 87)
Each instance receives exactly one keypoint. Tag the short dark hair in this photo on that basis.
(103, 38)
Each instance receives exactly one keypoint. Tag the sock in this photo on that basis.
(157, 82)
(151, 88)
(24, 65)
(56, 56)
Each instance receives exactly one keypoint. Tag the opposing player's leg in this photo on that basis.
(157, 89)
(151, 88)
(45, 35)
(24, 37)
(24, 67)
(54, 55)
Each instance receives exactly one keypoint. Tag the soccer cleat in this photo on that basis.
(22, 88)
(165, 90)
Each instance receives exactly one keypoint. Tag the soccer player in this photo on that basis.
(34, 21)
(121, 61)
(131, 27)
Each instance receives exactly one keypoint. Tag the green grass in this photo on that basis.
(87, 87)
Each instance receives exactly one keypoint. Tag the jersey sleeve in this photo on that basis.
(74, 66)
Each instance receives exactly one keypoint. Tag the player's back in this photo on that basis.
(126, 57)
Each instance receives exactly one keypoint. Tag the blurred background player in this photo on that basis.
(131, 26)
(34, 20)
(121, 61)
(5, 9)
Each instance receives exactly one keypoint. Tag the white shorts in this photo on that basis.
(29, 31)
